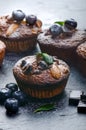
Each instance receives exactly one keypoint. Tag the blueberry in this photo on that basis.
(55, 30)
(27, 69)
(11, 105)
(43, 65)
(12, 86)
(21, 97)
(18, 15)
(31, 19)
(23, 63)
(71, 24)
(4, 94)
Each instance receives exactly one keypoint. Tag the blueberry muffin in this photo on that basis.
(19, 32)
(62, 40)
(81, 58)
(2, 52)
(41, 76)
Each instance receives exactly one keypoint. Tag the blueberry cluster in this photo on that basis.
(43, 62)
(19, 15)
(12, 98)
(65, 26)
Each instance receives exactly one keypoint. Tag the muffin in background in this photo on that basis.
(2, 52)
(41, 76)
(62, 40)
(19, 32)
(81, 58)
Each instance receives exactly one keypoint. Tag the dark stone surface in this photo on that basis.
(63, 117)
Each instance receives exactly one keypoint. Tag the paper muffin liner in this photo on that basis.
(20, 45)
(81, 64)
(42, 93)
(2, 53)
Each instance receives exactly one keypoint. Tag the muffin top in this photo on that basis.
(62, 34)
(12, 27)
(81, 50)
(2, 46)
(66, 40)
(41, 69)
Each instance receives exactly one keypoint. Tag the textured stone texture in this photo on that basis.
(63, 117)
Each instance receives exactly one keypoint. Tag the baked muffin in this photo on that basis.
(2, 52)
(62, 40)
(19, 32)
(41, 76)
(81, 57)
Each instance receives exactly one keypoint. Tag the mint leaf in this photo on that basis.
(60, 22)
(47, 58)
(39, 56)
(44, 56)
(46, 107)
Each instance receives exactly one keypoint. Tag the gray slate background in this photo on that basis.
(63, 117)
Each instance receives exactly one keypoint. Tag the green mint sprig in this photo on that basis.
(47, 58)
(60, 22)
(46, 107)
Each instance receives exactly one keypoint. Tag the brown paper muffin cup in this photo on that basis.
(20, 45)
(81, 64)
(42, 92)
(2, 52)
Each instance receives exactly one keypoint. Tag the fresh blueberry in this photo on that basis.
(12, 86)
(11, 105)
(18, 15)
(55, 30)
(21, 97)
(4, 94)
(43, 65)
(23, 63)
(27, 69)
(31, 19)
(71, 24)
